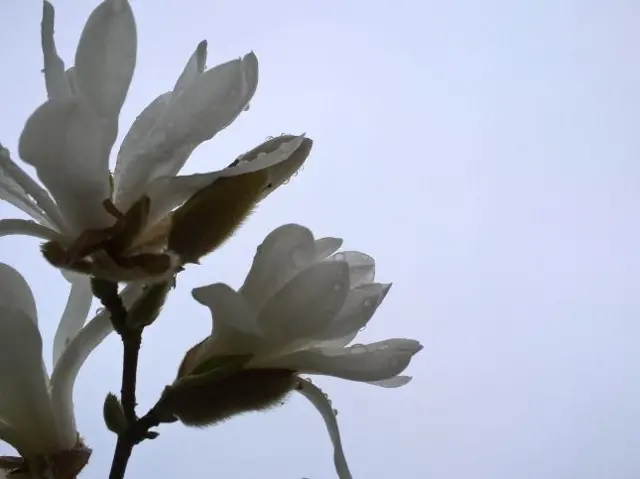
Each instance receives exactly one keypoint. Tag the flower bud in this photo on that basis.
(147, 308)
(210, 217)
(280, 172)
(114, 414)
(207, 402)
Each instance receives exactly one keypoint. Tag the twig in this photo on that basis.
(137, 429)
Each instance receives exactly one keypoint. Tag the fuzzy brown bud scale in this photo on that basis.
(248, 390)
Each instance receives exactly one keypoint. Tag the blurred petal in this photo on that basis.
(106, 56)
(24, 402)
(19, 189)
(366, 363)
(326, 247)
(62, 139)
(168, 192)
(15, 293)
(282, 255)
(323, 405)
(396, 382)
(69, 364)
(307, 304)
(358, 309)
(362, 267)
(28, 228)
(75, 312)
(54, 74)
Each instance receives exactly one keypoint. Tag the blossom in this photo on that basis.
(298, 310)
(36, 411)
(101, 223)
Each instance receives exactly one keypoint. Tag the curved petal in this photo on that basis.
(19, 189)
(326, 247)
(54, 74)
(28, 228)
(15, 293)
(168, 192)
(69, 364)
(106, 57)
(285, 252)
(358, 309)
(24, 395)
(228, 308)
(62, 139)
(323, 405)
(75, 312)
(362, 267)
(365, 363)
(307, 304)
(127, 171)
(395, 382)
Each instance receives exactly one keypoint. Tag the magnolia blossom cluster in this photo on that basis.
(298, 312)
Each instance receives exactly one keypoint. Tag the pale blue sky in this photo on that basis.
(485, 153)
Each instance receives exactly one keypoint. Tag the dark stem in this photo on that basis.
(137, 429)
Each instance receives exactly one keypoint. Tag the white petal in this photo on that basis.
(75, 313)
(19, 189)
(71, 78)
(194, 67)
(307, 304)
(282, 255)
(28, 228)
(69, 364)
(128, 172)
(396, 382)
(15, 293)
(24, 402)
(106, 56)
(366, 363)
(362, 267)
(62, 139)
(358, 309)
(327, 246)
(212, 102)
(54, 74)
(228, 308)
(322, 404)
(168, 192)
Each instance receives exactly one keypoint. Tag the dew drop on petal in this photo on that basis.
(367, 303)
(335, 412)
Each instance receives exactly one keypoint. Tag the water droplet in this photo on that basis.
(367, 303)
(335, 412)
(325, 395)
(337, 286)
(358, 349)
(339, 257)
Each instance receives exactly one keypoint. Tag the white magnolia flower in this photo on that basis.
(69, 138)
(36, 412)
(300, 307)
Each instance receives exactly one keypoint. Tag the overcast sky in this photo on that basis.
(486, 153)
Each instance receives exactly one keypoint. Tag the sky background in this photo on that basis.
(486, 153)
